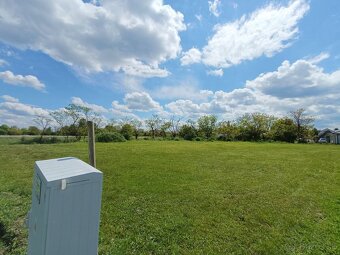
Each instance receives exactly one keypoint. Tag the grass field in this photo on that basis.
(194, 197)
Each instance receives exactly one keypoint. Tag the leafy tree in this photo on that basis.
(136, 126)
(164, 128)
(207, 125)
(188, 132)
(255, 126)
(4, 129)
(14, 130)
(303, 123)
(33, 130)
(154, 124)
(227, 130)
(127, 131)
(283, 130)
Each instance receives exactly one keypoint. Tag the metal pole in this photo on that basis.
(91, 141)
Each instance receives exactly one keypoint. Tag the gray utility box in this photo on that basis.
(66, 201)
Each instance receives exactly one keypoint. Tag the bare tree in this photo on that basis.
(61, 118)
(74, 113)
(43, 121)
(302, 122)
(154, 124)
(174, 126)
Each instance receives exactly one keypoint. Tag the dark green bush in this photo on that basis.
(43, 140)
(110, 137)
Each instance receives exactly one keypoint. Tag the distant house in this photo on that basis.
(331, 136)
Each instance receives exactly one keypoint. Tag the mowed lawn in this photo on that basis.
(194, 197)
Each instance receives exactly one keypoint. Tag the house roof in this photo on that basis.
(327, 130)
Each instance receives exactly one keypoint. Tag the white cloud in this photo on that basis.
(8, 98)
(292, 86)
(131, 36)
(214, 7)
(191, 56)
(15, 113)
(301, 79)
(264, 32)
(120, 111)
(217, 72)
(185, 89)
(319, 58)
(96, 108)
(21, 80)
(3, 62)
(141, 101)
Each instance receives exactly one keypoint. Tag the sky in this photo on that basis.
(184, 58)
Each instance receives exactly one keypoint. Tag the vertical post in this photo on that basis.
(91, 141)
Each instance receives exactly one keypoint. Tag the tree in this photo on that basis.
(187, 132)
(136, 126)
(4, 129)
(164, 128)
(283, 130)
(255, 126)
(227, 130)
(127, 131)
(33, 130)
(43, 121)
(174, 126)
(303, 123)
(74, 113)
(61, 118)
(154, 124)
(207, 125)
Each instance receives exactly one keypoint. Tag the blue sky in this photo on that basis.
(184, 58)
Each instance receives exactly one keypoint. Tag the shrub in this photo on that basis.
(198, 139)
(222, 137)
(110, 137)
(39, 140)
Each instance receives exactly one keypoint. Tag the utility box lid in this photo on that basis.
(69, 169)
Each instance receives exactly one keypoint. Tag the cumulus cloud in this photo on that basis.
(186, 89)
(94, 107)
(264, 32)
(214, 7)
(8, 98)
(291, 86)
(298, 80)
(141, 101)
(13, 112)
(121, 111)
(130, 36)
(217, 72)
(191, 56)
(21, 80)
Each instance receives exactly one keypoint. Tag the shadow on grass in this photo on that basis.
(6, 237)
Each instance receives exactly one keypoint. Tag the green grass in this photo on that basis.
(194, 197)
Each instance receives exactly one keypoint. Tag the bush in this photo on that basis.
(198, 139)
(222, 137)
(43, 140)
(110, 137)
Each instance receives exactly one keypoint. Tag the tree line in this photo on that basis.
(72, 121)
